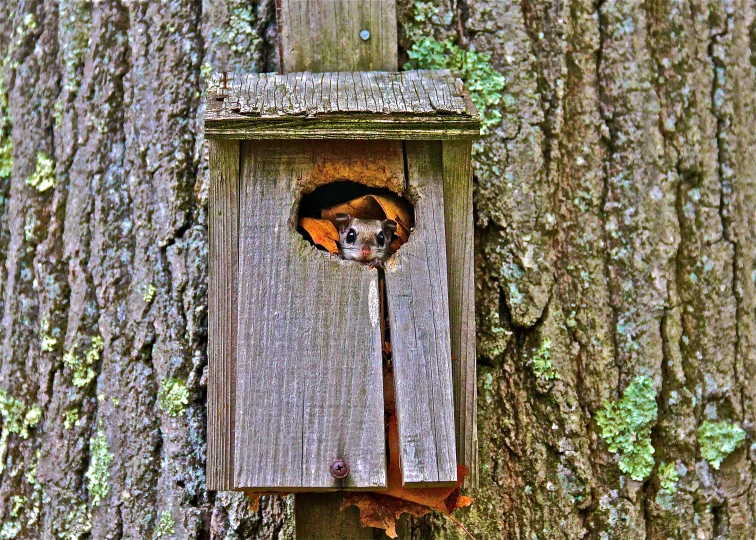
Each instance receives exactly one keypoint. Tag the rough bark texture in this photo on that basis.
(615, 223)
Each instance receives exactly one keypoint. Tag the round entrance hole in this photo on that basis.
(356, 222)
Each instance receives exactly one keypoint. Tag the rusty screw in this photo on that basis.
(339, 469)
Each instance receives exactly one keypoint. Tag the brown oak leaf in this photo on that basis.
(322, 232)
(381, 510)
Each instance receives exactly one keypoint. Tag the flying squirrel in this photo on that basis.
(365, 240)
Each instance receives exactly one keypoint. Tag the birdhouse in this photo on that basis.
(309, 351)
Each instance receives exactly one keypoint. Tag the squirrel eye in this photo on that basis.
(381, 238)
(351, 236)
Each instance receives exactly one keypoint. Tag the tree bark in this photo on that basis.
(615, 238)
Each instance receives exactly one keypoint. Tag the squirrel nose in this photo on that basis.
(365, 251)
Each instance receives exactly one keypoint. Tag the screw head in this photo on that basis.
(365, 35)
(339, 469)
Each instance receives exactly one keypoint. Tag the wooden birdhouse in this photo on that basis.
(301, 340)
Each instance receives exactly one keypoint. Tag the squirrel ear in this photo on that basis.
(342, 221)
(389, 227)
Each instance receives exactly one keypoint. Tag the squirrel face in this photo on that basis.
(364, 240)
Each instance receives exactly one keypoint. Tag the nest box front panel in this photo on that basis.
(296, 346)
(418, 306)
(309, 373)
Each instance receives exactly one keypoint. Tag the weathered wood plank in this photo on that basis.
(408, 93)
(345, 127)
(418, 306)
(309, 387)
(324, 35)
(458, 212)
(223, 269)
(315, 516)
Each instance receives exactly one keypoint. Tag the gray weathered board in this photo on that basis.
(345, 105)
(418, 306)
(223, 271)
(458, 209)
(324, 35)
(309, 371)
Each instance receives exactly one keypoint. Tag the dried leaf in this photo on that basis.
(254, 500)
(322, 232)
(463, 502)
(381, 510)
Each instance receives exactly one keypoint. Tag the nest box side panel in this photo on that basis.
(458, 208)
(418, 306)
(309, 375)
(223, 267)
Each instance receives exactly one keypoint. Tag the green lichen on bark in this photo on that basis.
(541, 363)
(30, 22)
(718, 440)
(484, 83)
(6, 143)
(6, 155)
(18, 502)
(31, 228)
(668, 477)
(46, 338)
(12, 527)
(149, 293)
(24, 509)
(83, 367)
(425, 15)
(626, 427)
(173, 397)
(43, 177)
(166, 526)
(70, 417)
(58, 114)
(17, 419)
(239, 32)
(206, 72)
(98, 473)
(33, 506)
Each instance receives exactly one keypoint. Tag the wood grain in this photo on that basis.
(417, 104)
(223, 204)
(422, 92)
(346, 127)
(418, 306)
(324, 35)
(458, 213)
(318, 516)
(309, 387)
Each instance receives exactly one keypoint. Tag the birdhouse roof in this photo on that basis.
(418, 104)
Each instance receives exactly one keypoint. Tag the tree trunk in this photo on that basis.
(616, 267)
